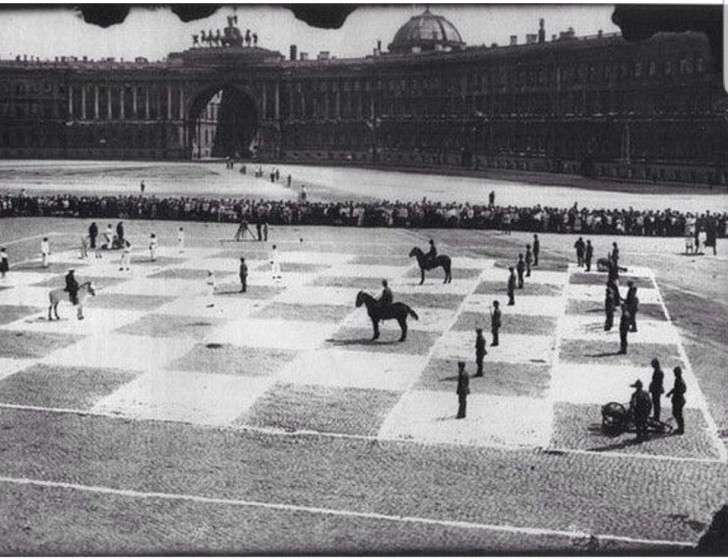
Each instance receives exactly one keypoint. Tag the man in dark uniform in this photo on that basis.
(243, 275)
(520, 267)
(495, 323)
(480, 351)
(72, 286)
(536, 249)
(588, 255)
(678, 400)
(624, 321)
(120, 232)
(615, 254)
(529, 260)
(610, 306)
(632, 304)
(259, 228)
(579, 246)
(613, 270)
(431, 255)
(656, 387)
(93, 232)
(512, 286)
(640, 405)
(491, 198)
(463, 390)
(386, 297)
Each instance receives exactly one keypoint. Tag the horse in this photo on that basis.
(441, 260)
(398, 311)
(60, 294)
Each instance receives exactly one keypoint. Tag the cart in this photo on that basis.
(617, 419)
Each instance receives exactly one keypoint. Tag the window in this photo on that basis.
(637, 69)
(668, 67)
(699, 68)
(653, 68)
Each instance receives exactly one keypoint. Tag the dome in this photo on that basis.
(424, 32)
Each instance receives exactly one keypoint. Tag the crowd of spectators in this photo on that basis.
(422, 214)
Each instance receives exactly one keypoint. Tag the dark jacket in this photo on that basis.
(480, 345)
(641, 403)
(463, 384)
(511, 283)
(495, 319)
(386, 297)
(243, 270)
(71, 283)
(656, 385)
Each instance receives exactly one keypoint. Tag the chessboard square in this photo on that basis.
(315, 313)
(638, 271)
(287, 280)
(273, 333)
(9, 366)
(419, 342)
(524, 305)
(518, 348)
(651, 311)
(591, 327)
(604, 352)
(249, 251)
(317, 258)
(544, 265)
(199, 275)
(511, 323)
(171, 250)
(596, 293)
(430, 319)
(354, 369)
(218, 265)
(135, 353)
(190, 397)
(480, 264)
(365, 270)
(76, 388)
(311, 295)
(172, 326)
(593, 278)
(500, 289)
(25, 296)
(579, 427)
(350, 282)
(11, 313)
(142, 258)
(433, 285)
(295, 267)
(257, 293)
(99, 282)
(167, 287)
(500, 378)
(418, 300)
(457, 273)
(548, 277)
(229, 308)
(381, 260)
(27, 278)
(54, 267)
(227, 359)
(128, 301)
(20, 344)
(96, 321)
(429, 417)
(349, 411)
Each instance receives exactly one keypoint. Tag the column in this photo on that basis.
(278, 101)
(83, 102)
(181, 103)
(96, 102)
(265, 102)
(169, 102)
(108, 103)
(337, 104)
(122, 91)
(135, 114)
(146, 103)
(70, 102)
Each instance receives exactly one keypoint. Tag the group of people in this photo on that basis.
(384, 213)
(643, 402)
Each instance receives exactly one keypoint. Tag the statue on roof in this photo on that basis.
(231, 34)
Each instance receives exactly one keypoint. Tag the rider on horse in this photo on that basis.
(386, 298)
(431, 254)
(72, 287)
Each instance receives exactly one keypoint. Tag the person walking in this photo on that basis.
(181, 240)
(580, 246)
(678, 400)
(93, 232)
(480, 351)
(495, 323)
(640, 405)
(588, 255)
(45, 251)
(4, 263)
(624, 323)
(529, 260)
(243, 275)
(512, 287)
(153, 247)
(463, 390)
(632, 302)
(536, 249)
(520, 267)
(656, 388)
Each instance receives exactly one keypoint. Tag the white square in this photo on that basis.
(24, 279)
(168, 287)
(97, 321)
(365, 271)
(319, 258)
(319, 295)
(531, 305)
(120, 351)
(429, 417)
(273, 333)
(434, 284)
(354, 369)
(190, 397)
(26, 296)
(228, 307)
(547, 277)
(514, 348)
(430, 320)
(471, 263)
(591, 327)
(598, 292)
(10, 366)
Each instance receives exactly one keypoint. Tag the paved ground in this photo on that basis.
(272, 413)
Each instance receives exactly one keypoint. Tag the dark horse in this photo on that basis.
(442, 260)
(398, 311)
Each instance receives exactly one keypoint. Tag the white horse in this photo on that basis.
(60, 294)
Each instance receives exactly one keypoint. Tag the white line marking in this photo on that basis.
(697, 393)
(338, 512)
(24, 239)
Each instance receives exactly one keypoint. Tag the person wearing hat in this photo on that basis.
(480, 351)
(431, 255)
(45, 251)
(640, 405)
(4, 264)
(656, 388)
(529, 260)
(580, 247)
(536, 249)
(243, 275)
(678, 400)
(520, 268)
(72, 286)
(386, 298)
(588, 255)
(495, 323)
(624, 323)
(632, 304)
(463, 390)
(153, 243)
(512, 286)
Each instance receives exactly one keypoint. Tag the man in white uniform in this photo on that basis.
(45, 251)
(153, 247)
(181, 240)
(125, 257)
(275, 265)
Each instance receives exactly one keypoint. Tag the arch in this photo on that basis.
(234, 127)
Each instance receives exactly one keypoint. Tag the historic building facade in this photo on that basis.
(597, 106)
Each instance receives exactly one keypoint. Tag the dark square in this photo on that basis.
(543, 264)
(382, 259)
(11, 313)
(171, 326)
(54, 268)
(249, 250)
(448, 301)
(61, 387)
(365, 284)
(457, 273)
(605, 353)
(129, 301)
(186, 274)
(652, 311)
(350, 411)
(596, 278)
(295, 267)
(227, 359)
(500, 288)
(418, 342)
(253, 291)
(499, 378)
(510, 323)
(100, 282)
(579, 426)
(20, 344)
